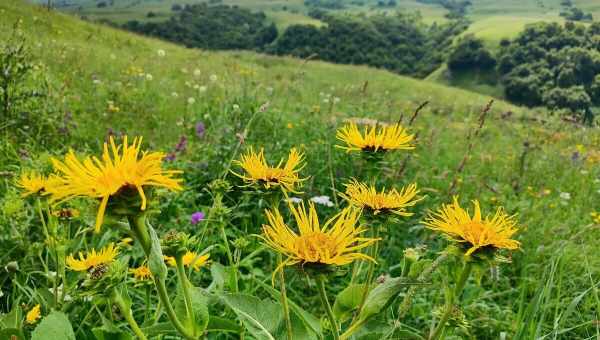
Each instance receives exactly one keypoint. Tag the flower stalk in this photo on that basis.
(118, 300)
(284, 302)
(323, 295)
(452, 301)
(185, 287)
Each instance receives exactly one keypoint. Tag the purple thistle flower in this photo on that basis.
(181, 145)
(197, 217)
(200, 128)
(170, 157)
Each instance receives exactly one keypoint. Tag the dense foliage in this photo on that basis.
(212, 27)
(553, 65)
(469, 53)
(400, 43)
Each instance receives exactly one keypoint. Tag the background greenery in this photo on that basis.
(97, 80)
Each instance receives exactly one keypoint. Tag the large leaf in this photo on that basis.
(110, 333)
(54, 326)
(161, 328)
(11, 333)
(199, 306)
(382, 295)
(222, 325)
(309, 320)
(264, 318)
(156, 261)
(12, 319)
(348, 300)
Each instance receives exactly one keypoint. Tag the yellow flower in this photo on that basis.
(290, 125)
(126, 241)
(366, 197)
(123, 169)
(337, 242)
(373, 139)
(93, 259)
(33, 315)
(190, 259)
(32, 183)
(478, 232)
(258, 171)
(141, 273)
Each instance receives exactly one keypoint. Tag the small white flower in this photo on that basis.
(565, 195)
(213, 77)
(97, 82)
(323, 200)
(197, 73)
(184, 70)
(161, 53)
(174, 94)
(236, 107)
(206, 116)
(149, 77)
(202, 89)
(269, 90)
(294, 200)
(326, 100)
(336, 100)
(191, 100)
(196, 86)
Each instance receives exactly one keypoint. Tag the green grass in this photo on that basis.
(522, 160)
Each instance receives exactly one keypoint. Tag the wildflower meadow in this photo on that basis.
(149, 191)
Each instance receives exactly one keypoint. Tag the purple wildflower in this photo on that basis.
(197, 217)
(170, 157)
(200, 128)
(181, 145)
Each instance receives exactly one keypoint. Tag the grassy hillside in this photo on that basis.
(100, 79)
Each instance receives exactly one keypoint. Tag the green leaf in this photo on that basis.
(264, 318)
(12, 319)
(348, 300)
(309, 320)
(54, 326)
(161, 328)
(110, 333)
(199, 306)
(156, 261)
(382, 295)
(222, 325)
(9, 333)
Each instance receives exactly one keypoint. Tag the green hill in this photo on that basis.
(102, 81)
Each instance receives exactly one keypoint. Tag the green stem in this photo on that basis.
(284, 302)
(323, 295)
(127, 314)
(147, 304)
(185, 285)
(452, 300)
(374, 253)
(229, 257)
(140, 230)
(352, 329)
(412, 291)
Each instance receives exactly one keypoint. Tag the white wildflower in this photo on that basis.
(161, 53)
(191, 100)
(323, 200)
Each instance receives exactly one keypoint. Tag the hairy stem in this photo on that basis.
(323, 295)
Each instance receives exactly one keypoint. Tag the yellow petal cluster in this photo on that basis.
(477, 231)
(121, 167)
(337, 242)
(32, 183)
(375, 138)
(141, 273)
(190, 259)
(93, 259)
(258, 171)
(33, 315)
(367, 197)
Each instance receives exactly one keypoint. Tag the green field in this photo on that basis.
(97, 81)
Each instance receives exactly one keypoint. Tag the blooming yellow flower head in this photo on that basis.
(367, 197)
(337, 242)
(93, 259)
(191, 259)
(33, 315)
(475, 231)
(258, 171)
(32, 183)
(141, 273)
(122, 168)
(374, 138)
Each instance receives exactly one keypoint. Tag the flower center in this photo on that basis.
(316, 247)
